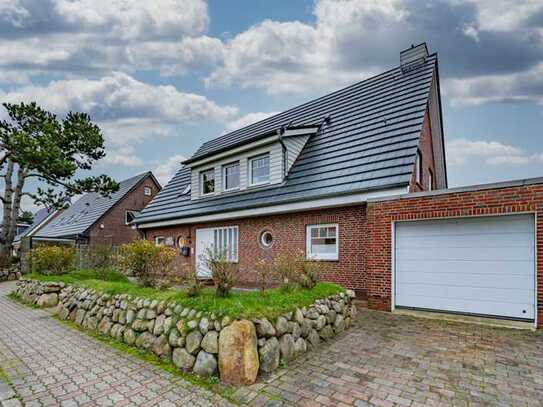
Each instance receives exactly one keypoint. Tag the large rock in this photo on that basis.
(161, 348)
(300, 346)
(104, 326)
(286, 345)
(48, 300)
(182, 359)
(339, 324)
(158, 329)
(145, 340)
(210, 343)
(193, 341)
(281, 326)
(238, 356)
(321, 321)
(206, 364)
(269, 355)
(264, 328)
(327, 332)
(313, 338)
(129, 336)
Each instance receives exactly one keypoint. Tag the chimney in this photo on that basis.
(413, 57)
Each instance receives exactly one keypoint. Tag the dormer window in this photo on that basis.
(259, 168)
(207, 179)
(231, 176)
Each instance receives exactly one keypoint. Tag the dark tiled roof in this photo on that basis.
(81, 215)
(38, 218)
(370, 143)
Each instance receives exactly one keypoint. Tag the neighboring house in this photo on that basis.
(299, 179)
(357, 180)
(95, 219)
(41, 218)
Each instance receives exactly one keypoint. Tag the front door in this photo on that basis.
(204, 239)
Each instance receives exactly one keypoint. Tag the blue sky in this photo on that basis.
(161, 77)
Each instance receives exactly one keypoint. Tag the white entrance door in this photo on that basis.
(204, 240)
(480, 266)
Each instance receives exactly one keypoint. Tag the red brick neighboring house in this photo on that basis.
(357, 180)
(94, 219)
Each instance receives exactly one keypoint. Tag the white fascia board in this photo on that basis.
(300, 132)
(233, 151)
(52, 239)
(279, 209)
(40, 225)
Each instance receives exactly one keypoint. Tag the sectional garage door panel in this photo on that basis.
(469, 265)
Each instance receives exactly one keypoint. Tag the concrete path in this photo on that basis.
(53, 365)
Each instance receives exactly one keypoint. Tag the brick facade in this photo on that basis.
(289, 236)
(111, 228)
(484, 202)
(426, 149)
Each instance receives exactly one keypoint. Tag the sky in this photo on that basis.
(160, 77)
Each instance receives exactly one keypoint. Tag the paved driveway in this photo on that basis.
(388, 360)
(52, 365)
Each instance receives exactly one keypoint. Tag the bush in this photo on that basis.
(310, 274)
(223, 271)
(153, 265)
(194, 287)
(52, 260)
(100, 257)
(294, 270)
(265, 273)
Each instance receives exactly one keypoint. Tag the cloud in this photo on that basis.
(247, 119)
(462, 151)
(166, 169)
(122, 156)
(81, 36)
(126, 108)
(352, 39)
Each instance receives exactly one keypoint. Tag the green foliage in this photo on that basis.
(101, 257)
(309, 277)
(26, 217)
(194, 288)
(293, 270)
(223, 271)
(265, 273)
(52, 260)
(153, 265)
(239, 304)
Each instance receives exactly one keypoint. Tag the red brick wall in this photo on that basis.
(289, 235)
(428, 163)
(115, 231)
(380, 216)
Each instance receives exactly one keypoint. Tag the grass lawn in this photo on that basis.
(239, 304)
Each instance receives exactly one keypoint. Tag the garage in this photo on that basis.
(477, 265)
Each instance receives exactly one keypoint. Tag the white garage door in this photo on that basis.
(482, 266)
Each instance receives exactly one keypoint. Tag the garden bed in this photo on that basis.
(245, 333)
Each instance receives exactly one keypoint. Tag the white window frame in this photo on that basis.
(160, 240)
(321, 256)
(418, 168)
(224, 177)
(147, 191)
(126, 215)
(251, 161)
(201, 175)
(223, 232)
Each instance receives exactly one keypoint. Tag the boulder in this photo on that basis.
(286, 346)
(182, 359)
(339, 324)
(205, 365)
(326, 333)
(238, 356)
(129, 336)
(298, 316)
(158, 329)
(305, 327)
(104, 326)
(210, 343)
(313, 338)
(281, 326)
(204, 326)
(193, 341)
(145, 340)
(48, 300)
(79, 316)
(269, 355)
(161, 348)
(300, 346)
(264, 328)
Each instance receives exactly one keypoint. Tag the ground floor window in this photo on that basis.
(322, 242)
(226, 239)
(160, 240)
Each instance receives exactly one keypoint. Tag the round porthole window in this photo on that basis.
(266, 238)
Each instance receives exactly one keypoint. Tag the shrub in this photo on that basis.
(265, 273)
(100, 257)
(191, 279)
(288, 267)
(153, 265)
(223, 271)
(52, 260)
(310, 274)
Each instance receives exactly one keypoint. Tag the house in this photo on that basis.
(40, 219)
(357, 180)
(95, 219)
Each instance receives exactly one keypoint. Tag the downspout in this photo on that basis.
(284, 147)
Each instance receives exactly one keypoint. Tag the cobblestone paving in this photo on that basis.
(392, 360)
(51, 365)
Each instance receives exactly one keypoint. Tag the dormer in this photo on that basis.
(251, 163)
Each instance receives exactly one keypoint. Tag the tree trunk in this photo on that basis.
(5, 246)
(17, 195)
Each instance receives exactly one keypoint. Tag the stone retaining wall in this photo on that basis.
(10, 274)
(206, 344)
